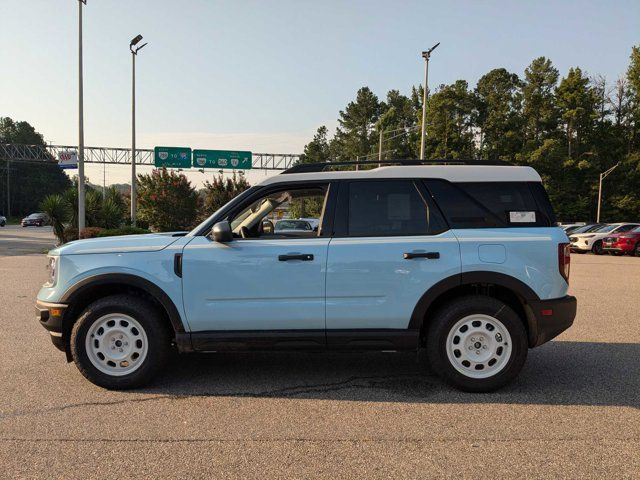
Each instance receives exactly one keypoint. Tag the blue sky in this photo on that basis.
(261, 75)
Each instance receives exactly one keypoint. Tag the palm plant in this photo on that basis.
(59, 213)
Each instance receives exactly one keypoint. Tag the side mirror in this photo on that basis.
(221, 232)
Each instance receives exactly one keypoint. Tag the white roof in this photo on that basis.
(453, 173)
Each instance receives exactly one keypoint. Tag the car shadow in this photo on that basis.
(558, 373)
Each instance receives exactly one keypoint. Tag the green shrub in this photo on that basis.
(91, 232)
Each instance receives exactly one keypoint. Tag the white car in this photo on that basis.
(592, 241)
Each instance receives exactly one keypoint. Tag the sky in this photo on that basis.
(264, 75)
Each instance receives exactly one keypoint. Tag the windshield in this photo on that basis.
(606, 228)
(587, 228)
(293, 225)
(636, 230)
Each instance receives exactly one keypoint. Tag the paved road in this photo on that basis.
(573, 412)
(17, 240)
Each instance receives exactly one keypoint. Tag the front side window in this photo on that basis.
(389, 207)
(625, 228)
(277, 214)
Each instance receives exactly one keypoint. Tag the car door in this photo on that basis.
(259, 283)
(390, 246)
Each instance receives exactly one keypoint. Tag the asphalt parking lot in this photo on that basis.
(572, 413)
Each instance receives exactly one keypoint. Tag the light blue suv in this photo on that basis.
(464, 261)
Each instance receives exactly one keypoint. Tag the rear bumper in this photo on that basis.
(551, 318)
(50, 316)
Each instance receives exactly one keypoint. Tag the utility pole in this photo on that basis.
(134, 53)
(8, 214)
(81, 213)
(380, 148)
(603, 175)
(425, 94)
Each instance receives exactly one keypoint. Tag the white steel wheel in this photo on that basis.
(478, 346)
(116, 344)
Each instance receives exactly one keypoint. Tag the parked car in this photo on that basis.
(3, 220)
(34, 220)
(569, 227)
(464, 262)
(621, 243)
(293, 226)
(589, 227)
(592, 241)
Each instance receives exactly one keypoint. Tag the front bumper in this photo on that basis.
(551, 318)
(50, 316)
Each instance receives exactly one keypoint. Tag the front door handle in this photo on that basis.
(429, 255)
(305, 257)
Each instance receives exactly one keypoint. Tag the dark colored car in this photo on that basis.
(621, 243)
(3, 220)
(34, 220)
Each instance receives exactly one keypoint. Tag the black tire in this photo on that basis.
(157, 333)
(446, 318)
(597, 248)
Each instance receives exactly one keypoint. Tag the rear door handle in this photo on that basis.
(429, 255)
(305, 257)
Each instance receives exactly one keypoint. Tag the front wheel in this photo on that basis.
(597, 248)
(120, 342)
(477, 343)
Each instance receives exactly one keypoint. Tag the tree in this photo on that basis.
(449, 122)
(30, 182)
(539, 113)
(317, 150)
(576, 102)
(166, 201)
(499, 114)
(355, 136)
(221, 191)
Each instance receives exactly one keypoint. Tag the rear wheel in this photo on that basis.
(477, 343)
(120, 342)
(636, 250)
(597, 248)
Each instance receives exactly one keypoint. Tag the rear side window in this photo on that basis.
(492, 204)
(388, 208)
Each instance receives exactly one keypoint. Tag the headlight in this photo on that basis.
(52, 264)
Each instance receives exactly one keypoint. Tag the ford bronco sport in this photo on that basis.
(464, 261)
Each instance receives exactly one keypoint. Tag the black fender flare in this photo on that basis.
(468, 278)
(75, 292)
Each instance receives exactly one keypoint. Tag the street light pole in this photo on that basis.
(425, 94)
(81, 210)
(603, 175)
(134, 53)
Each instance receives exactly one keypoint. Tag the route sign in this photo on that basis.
(172, 157)
(236, 160)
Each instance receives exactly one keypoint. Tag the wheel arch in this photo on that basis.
(92, 288)
(506, 288)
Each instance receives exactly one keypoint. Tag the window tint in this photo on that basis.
(625, 228)
(460, 210)
(389, 207)
(492, 204)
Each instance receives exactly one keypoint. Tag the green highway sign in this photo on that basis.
(172, 157)
(222, 159)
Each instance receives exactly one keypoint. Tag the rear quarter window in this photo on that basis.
(492, 204)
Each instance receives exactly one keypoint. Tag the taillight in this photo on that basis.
(564, 260)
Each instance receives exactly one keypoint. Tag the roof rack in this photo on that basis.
(321, 167)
